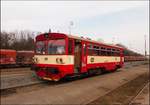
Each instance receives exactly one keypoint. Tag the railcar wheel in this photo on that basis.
(104, 70)
(90, 72)
(114, 69)
(99, 71)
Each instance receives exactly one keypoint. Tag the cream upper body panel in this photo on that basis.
(54, 59)
(102, 59)
(69, 59)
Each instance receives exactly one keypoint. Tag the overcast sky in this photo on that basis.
(123, 22)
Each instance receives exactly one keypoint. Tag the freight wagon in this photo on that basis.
(7, 57)
(12, 58)
(24, 58)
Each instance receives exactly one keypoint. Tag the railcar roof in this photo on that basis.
(85, 39)
(90, 40)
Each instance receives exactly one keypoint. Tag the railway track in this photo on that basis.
(133, 102)
(18, 80)
(15, 79)
(16, 71)
(13, 67)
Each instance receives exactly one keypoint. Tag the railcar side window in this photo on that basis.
(103, 51)
(90, 49)
(70, 49)
(95, 50)
(118, 53)
(40, 47)
(108, 52)
(99, 50)
(113, 52)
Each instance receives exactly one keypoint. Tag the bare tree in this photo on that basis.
(18, 40)
(5, 40)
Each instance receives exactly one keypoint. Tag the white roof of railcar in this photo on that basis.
(90, 40)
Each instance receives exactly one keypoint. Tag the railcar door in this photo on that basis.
(84, 57)
(77, 56)
(121, 57)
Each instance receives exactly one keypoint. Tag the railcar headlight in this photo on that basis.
(59, 60)
(35, 60)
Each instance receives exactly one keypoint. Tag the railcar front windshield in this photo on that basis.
(40, 47)
(56, 46)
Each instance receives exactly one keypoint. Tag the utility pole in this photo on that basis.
(70, 24)
(145, 45)
(113, 40)
(49, 30)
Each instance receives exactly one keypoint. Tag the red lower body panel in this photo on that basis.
(63, 71)
(107, 66)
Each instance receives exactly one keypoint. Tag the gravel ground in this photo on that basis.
(81, 91)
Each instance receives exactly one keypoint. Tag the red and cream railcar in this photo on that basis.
(59, 55)
(7, 57)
